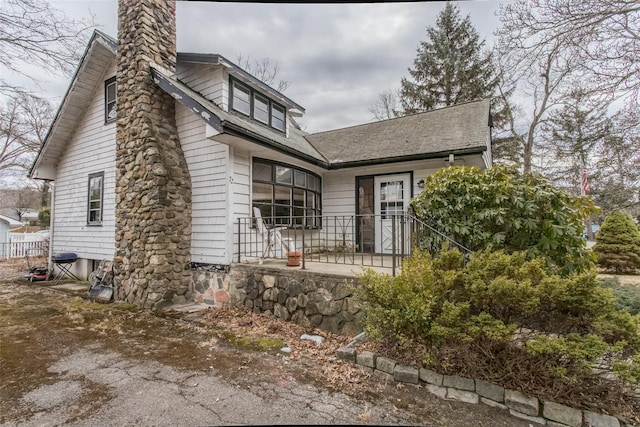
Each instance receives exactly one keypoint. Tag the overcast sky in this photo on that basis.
(336, 57)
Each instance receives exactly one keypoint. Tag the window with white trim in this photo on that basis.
(110, 97)
(256, 106)
(95, 198)
(286, 195)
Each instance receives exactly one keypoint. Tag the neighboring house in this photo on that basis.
(6, 225)
(29, 216)
(243, 149)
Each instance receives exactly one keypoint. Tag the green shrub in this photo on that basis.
(501, 208)
(627, 297)
(44, 217)
(500, 316)
(617, 245)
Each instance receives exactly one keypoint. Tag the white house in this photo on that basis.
(6, 224)
(243, 149)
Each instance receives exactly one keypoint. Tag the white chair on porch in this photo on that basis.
(272, 238)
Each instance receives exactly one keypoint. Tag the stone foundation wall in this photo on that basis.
(211, 287)
(322, 301)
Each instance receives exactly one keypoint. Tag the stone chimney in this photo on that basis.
(153, 186)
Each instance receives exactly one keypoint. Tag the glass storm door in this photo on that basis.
(391, 197)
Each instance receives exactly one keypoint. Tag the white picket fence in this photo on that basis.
(23, 244)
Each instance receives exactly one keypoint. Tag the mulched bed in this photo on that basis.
(340, 375)
(597, 395)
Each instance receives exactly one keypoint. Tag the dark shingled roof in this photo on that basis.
(462, 128)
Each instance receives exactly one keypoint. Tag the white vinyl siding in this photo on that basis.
(90, 150)
(339, 193)
(241, 184)
(208, 163)
(210, 81)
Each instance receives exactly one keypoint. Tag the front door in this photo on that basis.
(392, 195)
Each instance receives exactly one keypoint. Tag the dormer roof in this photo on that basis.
(240, 74)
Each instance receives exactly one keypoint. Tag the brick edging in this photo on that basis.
(473, 391)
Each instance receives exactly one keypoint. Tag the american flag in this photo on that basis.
(585, 182)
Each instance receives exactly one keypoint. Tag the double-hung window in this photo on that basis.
(257, 106)
(286, 195)
(241, 98)
(95, 198)
(261, 108)
(110, 100)
(277, 117)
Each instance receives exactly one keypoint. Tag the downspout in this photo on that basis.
(52, 188)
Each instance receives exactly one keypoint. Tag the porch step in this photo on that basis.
(192, 307)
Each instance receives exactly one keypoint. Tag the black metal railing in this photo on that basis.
(367, 240)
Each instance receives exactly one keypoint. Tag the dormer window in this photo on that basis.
(256, 106)
(261, 109)
(277, 117)
(241, 98)
(110, 100)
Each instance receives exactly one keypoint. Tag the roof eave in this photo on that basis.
(407, 158)
(166, 83)
(235, 130)
(96, 37)
(185, 98)
(217, 59)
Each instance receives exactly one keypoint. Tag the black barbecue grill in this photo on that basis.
(64, 262)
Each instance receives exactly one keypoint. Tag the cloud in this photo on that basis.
(336, 57)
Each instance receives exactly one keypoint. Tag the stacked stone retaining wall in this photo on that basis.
(316, 300)
(520, 405)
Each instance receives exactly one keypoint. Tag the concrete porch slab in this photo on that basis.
(73, 287)
(191, 307)
(347, 270)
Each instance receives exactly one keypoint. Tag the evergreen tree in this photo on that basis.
(450, 67)
(618, 243)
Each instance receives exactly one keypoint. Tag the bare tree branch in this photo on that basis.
(387, 106)
(545, 71)
(603, 34)
(24, 121)
(263, 70)
(32, 32)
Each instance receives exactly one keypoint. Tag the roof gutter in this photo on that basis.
(235, 130)
(412, 157)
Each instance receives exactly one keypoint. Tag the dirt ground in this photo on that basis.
(67, 360)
